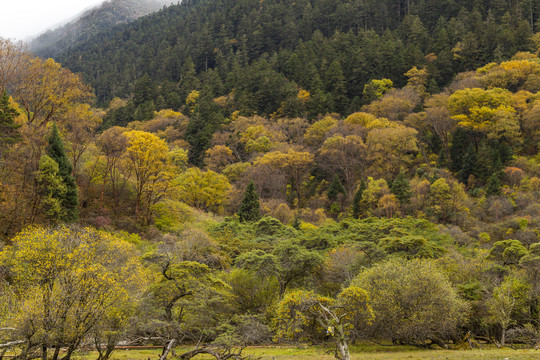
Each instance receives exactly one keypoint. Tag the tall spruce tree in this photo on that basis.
(51, 189)
(250, 207)
(357, 201)
(335, 189)
(401, 188)
(458, 148)
(469, 165)
(493, 185)
(70, 199)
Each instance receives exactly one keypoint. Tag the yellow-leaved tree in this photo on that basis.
(390, 149)
(68, 281)
(149, 161)
(487, 112)
(205, 190)
(48, 90)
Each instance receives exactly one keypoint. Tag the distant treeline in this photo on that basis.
(261, 53)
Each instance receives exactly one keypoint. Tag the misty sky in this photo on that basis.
(21, 19)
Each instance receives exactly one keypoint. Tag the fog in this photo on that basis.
(23, 19)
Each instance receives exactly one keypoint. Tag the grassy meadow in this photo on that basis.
(357, 353)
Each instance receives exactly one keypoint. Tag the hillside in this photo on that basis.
(276, 173)
(92, 22)
(264, 51)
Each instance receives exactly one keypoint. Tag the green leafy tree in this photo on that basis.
(413, 302)
(290, 262)
(507, 252)
(250, 207)
(507, 301)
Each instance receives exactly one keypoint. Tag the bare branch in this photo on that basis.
(12, 343)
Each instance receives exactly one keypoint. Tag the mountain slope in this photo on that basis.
(91, 22)
(263, 52)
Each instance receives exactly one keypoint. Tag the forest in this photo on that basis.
(222, 174)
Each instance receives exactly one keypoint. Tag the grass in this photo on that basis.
(357, 353)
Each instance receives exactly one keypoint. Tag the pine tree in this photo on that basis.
(493, 186)
(441, 161)
(469, 165)
(51, 190)
(250, 207)
(296, 222)
(460, 141)
(401, 188)
(357, 201)
(335, 189)
(70, 199)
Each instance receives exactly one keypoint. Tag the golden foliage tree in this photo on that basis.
(202, 189)
(49, 90)
(147, 156)
(390, 149)
(68, 279)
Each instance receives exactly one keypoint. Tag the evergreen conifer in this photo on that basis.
(442, 161)
(250, 207)
(51, 189)
(469, 165)
(357, 206)
(57, 153)
(335, 188)
(493, 186)
(460, 141)
(401, 188)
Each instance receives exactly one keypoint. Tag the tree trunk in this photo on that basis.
(108, 351)
(343, 349)
(56, 352)
(167, 349)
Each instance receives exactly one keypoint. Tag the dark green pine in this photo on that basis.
(57, 153)
(469, 165)
(401, 188)
(493, 186)
(335, 188)
(458, 148)
(357, 201)
(250, 207)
